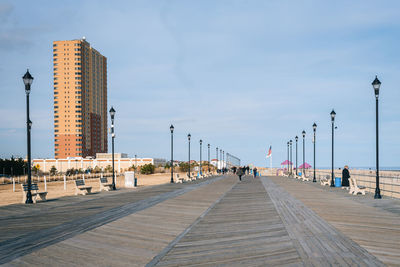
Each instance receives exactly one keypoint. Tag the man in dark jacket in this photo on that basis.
(255, 172)
(240, 172)
(345, 176)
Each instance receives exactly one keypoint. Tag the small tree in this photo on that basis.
(108, 168)
(147, 169)
(53, 170)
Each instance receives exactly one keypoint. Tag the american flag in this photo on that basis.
(269, 152)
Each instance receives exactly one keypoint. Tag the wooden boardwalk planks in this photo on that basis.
(316, 240)
(242, 229)
(132, 240)
(377, 229)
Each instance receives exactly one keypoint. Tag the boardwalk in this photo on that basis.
(269, 221)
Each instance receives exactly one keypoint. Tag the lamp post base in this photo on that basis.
(28, 198)
(332, 184)
(377, 193)
(314, 180)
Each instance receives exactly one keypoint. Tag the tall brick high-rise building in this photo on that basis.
(80, 99)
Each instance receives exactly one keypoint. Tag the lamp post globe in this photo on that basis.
(333, 115)
(314, 140)
(189, 136)
(171, 128)
(376, 84)
(28, 80)
(112, 115)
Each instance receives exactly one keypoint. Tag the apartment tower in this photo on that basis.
(80, 99)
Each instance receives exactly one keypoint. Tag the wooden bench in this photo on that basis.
(179, 179)
(104, 184)
(354, 188)
(305, 178)
(325, 180)
(81, 188)
(34, 191)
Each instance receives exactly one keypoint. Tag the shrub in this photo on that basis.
(147, 169)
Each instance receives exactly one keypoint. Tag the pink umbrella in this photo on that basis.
(286, 162)
(306, 166)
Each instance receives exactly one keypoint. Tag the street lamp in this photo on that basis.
(208, 158)
(314, 140)
(112, 114)
(376, 84)
(189, 136)
(291, 164)
(287, 163)
(201, 143)
(223, 161)
(28, 79)
(220, 158)
(304, 153)
(333, 114)
(297, 139)
(172, 153)
(216, 152)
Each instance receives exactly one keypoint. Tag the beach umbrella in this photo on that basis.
(306, 166)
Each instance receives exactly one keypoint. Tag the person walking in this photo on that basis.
(255, 172)
(240, 173)
(345, 176)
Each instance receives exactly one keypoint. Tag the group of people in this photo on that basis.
(245, 170)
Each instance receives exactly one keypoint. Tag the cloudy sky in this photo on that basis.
(241, 75)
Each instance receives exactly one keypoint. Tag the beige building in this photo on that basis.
(80, 99)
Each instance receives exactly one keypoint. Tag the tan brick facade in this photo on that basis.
(80, 99)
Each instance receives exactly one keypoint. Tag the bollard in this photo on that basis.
(13, 184)
(65, 183)
(45, 183)
(83, 177)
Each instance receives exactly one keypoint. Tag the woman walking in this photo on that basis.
(345, 176)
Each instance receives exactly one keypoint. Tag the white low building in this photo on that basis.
(121, 162)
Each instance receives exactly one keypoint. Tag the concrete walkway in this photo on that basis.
(219, 221)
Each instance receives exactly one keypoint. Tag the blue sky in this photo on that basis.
(241, 75)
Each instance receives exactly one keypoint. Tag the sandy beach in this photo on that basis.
(56, 190)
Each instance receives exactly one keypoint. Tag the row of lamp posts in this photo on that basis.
(376, 86)
(28, 79)
(189, 136)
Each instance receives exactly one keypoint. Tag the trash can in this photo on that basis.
(130, 180)
(338, 182)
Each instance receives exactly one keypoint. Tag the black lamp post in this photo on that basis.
(291, 163)
(112, 114)
(208, 158)
(333, 114)
(220, 158)
(376, 85)
(297, 139)
(314, 140)
(287, 163)
(223, 161)
(304, 153)
(172, 153)
(189, 136)
(201, 143)
(216, 152)
(28, 79)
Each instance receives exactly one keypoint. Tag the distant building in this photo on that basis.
(121, 164)
(80, 99)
